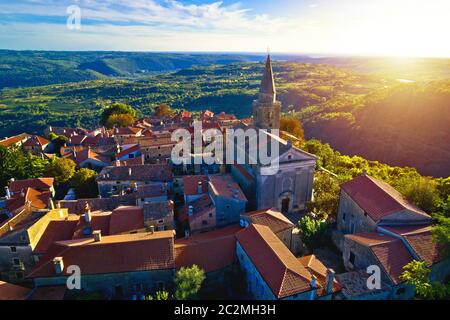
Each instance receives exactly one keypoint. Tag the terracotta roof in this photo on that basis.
(211, 251)
(225, 186)
(271, 218)
(10, 291)
(224, 116)
(38, 184)
(105, 204)
(423, 244)
(48, 293)
(148, 172)
(13, 140)
(138, 161)
(127, 150)
(191, 184)
(76, 140)
(99, 221)
(38, 199)
(125, 219)
(151, 191)
(317, 268)
(281, 270)
(158, 210)
(202, 207)
(57, 230)
(120, 253)
(127, 131)
(36, 141)
(206, 114)
(88, 153)
(377, 198)
(390, 252)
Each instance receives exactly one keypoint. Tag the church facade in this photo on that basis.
(290, 188)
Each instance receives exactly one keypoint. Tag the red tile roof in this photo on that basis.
(57, 230)
(99, 221)
(390, 252)
(127, 150)
(225, 186)
(10, 291)
(151, 191)
(211, 251)
(271, 218)
(38, 184)
(280, 269)
(77, 140)
(36, 141)
(138, 161)
(191, 184)
(38, 199)
(126, 219)
(317, 268)
(88, 153)
(377, 198)
(425, 247)
(13, 140)
(128, 131)
(148, 172)
(120, 253)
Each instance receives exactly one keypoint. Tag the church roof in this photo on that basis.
(268, 82)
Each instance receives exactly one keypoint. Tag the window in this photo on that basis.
(13, 249)
(343, 216)
(161, 221)
(352, 258)
(365, 214)
(210, 215)
(228, 206)
(16, 261)
(204, 222)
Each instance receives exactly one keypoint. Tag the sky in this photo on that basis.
(328, 27)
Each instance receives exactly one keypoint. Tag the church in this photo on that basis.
(289, 189)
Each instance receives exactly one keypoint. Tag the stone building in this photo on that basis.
(290, 188)
(367, 203)
(266, 109)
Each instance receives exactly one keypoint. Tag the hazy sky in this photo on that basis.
(375, 27)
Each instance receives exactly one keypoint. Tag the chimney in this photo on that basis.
(330, 281)
(191, 211)
(129, 172)
(58, 205)
(8, 193)
(313, 287)
(97, 235)
(200, 187)
(187, 233)
(364, 172)
(59, 265)
(87, 214)
(117, 163)
(152, 229)
(22, 193)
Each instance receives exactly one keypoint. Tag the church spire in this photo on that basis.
(268, 82)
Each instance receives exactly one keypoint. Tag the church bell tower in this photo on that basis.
(266, 109)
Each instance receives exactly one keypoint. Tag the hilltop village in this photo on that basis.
(152, 218)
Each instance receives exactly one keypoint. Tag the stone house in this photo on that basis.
(117, 266)
(36, 145)
(391, 248)
(18, 238)
(126, 152)
(119, 180)
(272, 272)
(276, 221)
(367, 203)
(194, 187)
(229, 200)
(159, 214)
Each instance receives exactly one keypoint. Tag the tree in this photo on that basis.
(61, 169)
(188, 282)
(292, 126)
(422, 192)
(119, 121)
(326, 196)
(163, 110)
(441, 231)
(59, 141)
(313, 232)
(85, 184)
(162, 295)
(115, 109)
(416, 273)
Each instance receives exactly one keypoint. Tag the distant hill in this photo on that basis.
(367, 108)
(38, 68)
